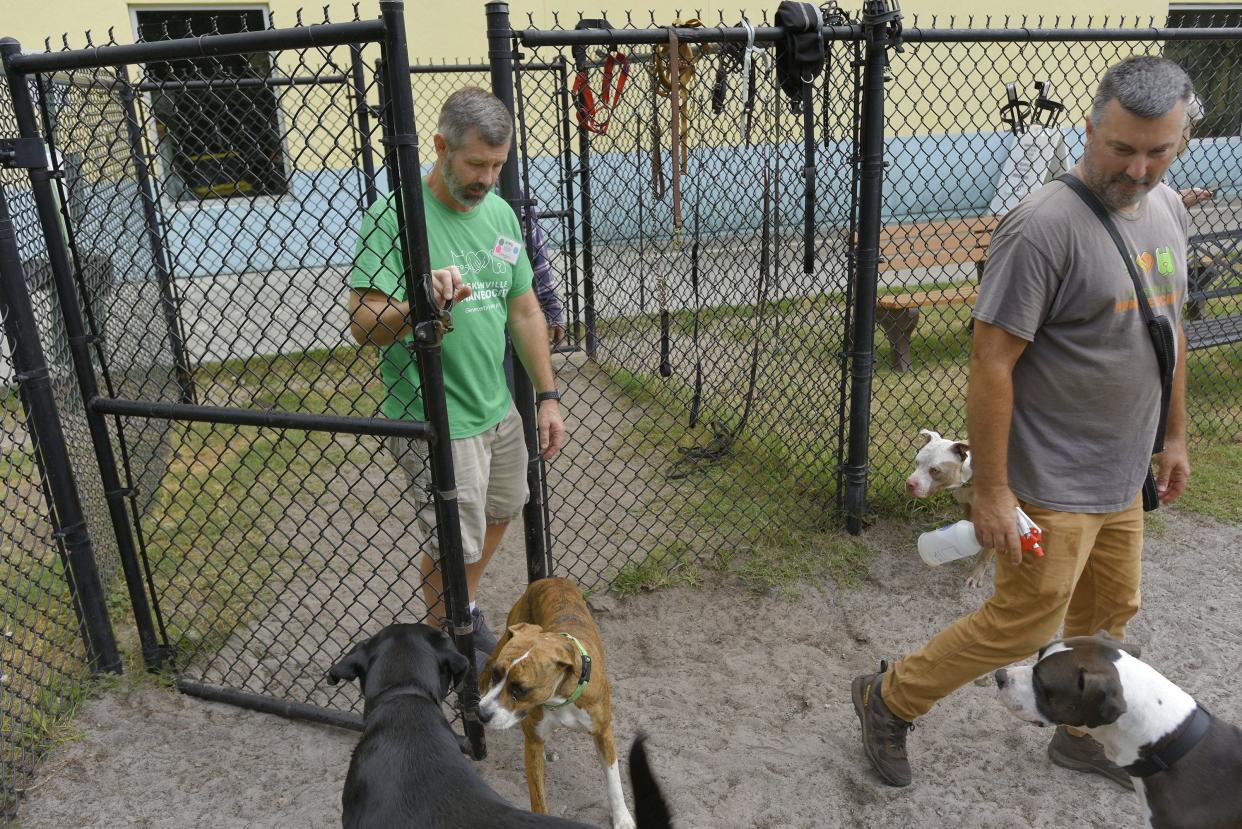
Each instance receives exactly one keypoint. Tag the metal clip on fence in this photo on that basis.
(431, 332)
(22, 153)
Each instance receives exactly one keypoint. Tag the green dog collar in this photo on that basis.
(583, 680)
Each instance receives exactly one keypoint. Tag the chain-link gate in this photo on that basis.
(211, 178)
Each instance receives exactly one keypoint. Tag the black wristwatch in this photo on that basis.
(547, 395)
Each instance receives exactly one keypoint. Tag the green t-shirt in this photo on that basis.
(486, 246)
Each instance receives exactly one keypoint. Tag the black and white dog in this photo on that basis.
(408, 769)
(1185, 763)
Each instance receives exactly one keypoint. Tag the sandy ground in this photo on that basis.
(746, 699)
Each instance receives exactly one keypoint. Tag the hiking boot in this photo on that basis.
(883, 732)
(1085, 754)
(484, 639)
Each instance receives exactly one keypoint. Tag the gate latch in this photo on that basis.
(26, 153)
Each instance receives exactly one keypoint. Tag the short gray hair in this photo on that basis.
(1148, 87)
(474, 108)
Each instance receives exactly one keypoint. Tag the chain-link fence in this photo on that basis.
(963, 153)
(723, 402)
(46, 652)
(715, 400)
(705, 392)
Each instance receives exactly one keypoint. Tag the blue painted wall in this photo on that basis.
(315, 225)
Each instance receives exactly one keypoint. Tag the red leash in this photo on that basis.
(595, 116)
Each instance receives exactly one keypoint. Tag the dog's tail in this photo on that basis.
(650, 809)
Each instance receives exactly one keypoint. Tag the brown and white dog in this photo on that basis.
(548, 669)
(1185, 763)
(944, 464)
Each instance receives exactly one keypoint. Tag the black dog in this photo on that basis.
(408, 769)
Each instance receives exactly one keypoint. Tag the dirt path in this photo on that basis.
(746, 699)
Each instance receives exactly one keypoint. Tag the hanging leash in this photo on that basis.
(595, 111)
(697, 401)
(741, 57)
(799, 60)
(673, 69)
(696, 458)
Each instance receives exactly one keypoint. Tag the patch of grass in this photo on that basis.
(782, 471)
(1213, 486)
(802, 558)
(215, 540)
(664, 566)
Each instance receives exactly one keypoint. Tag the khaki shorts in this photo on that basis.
(491, 481)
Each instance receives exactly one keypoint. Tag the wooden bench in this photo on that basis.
(1215, 272)
(909, 246)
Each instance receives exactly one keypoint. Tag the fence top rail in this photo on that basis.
(1025, 34)
(447, 68)
(659, 34)
(234, 83)
(298, 37)
(912, 34)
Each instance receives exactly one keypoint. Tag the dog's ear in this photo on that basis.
(1133, 649)
(1102, 698)
(452, 664)
(522, 627)
(962, 448)
(353, 665)
(928, 436)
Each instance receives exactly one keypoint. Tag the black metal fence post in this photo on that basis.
(362, 114)
(62, 272)
(67, 517)
(571, 223)
(155, 237)
(404, 139)
(882, 28)
(588, 248)
(500, 56)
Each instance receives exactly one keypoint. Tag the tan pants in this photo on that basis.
(1088, 578)
(490, 472)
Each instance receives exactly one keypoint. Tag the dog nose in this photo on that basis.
(485, 713)
(1002, 678)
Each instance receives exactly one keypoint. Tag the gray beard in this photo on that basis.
(458, 190)
(1111, 195)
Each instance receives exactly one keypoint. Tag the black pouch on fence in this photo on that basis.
(800, 54)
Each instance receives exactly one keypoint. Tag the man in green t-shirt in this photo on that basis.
(477, 260)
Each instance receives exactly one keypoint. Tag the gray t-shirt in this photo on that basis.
(1086, 391)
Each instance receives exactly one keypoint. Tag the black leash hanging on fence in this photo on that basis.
(739, 57)
(799, 60)
(697, 401)
(833, 16)
(720, 446)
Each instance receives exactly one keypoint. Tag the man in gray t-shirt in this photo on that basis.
(1062, 410)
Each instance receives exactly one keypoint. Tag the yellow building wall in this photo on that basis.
(936, 88)
(440, 29)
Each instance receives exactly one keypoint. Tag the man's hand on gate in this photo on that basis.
(448, 286)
